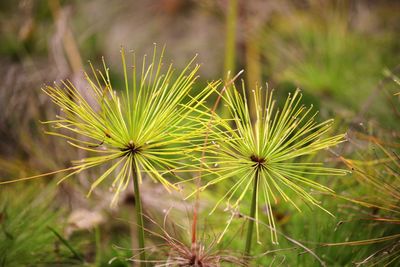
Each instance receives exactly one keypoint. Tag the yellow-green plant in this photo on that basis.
(377, 176)
(150, 128)
(264, 154)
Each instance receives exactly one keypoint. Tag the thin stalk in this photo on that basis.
(67, 244)
(98, 245)
(203, 156)
(252, 56)
(230, 44)
(230, 37)
(139, 216)
(252, 215)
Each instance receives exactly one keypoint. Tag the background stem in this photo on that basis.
(252, 214)
(139, 215)
(230, 47)
(230, 37)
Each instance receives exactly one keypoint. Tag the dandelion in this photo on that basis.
(264, 155)
(151, 128)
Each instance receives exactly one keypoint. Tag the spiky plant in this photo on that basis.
(176, 250)
(24, 220)
(377, 189)
(265, 154)
(150, 128)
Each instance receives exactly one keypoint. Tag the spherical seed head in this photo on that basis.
(269, 148)
(115, 120)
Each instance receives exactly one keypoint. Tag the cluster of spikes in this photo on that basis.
(178, 252)
(262, 153)
(153, 124)
(159, 126)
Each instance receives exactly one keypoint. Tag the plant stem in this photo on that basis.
(230, 45)
(67, 244)
(98, 245)
(230, 37)
(139, 215)
(252, 215)
(252, 55)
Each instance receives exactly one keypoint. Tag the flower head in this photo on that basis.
(265, 155)
(150, 124)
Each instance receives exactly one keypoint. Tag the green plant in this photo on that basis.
(151, 128)
(265, 154)
(26, 238)
(377, 190)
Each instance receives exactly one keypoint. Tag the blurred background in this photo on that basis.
(344, 55)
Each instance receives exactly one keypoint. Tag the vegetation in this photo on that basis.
(178, 159)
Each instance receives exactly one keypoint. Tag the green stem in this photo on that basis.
(66, 243)
(230, 46)
(252, 215)
(230, 38)
(98, 245)
(139, 216)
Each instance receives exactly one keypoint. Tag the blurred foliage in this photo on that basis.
(25, 237)
(323, 51)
